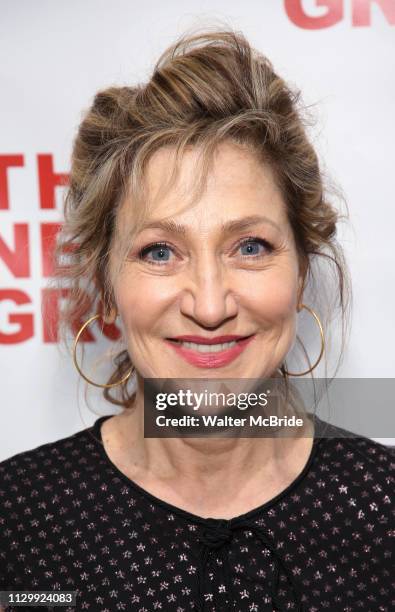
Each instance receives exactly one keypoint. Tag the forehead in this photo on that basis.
(235, 175)
(238, 183)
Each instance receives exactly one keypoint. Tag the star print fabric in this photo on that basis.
(70, 520)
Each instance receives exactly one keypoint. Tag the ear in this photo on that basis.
(108, 316)
(301, 284)
(300, 292)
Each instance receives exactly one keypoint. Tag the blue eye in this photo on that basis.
(251, 246)
(160, 253)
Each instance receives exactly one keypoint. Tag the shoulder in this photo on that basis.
(357, 466)
(45, 467)
(370, 450)
(54, 448)
(345, 448)
(44, 492)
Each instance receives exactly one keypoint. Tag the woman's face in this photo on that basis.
(225, 272)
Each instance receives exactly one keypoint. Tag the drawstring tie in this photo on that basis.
(218, 536)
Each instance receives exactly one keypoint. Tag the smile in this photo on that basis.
(207, 348)
(209, 354)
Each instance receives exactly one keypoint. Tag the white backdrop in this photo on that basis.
(56, 55)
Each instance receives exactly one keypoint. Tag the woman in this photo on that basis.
(221, 255)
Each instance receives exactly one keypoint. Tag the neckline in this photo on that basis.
(95, 432)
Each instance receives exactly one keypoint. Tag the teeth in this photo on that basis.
(208, 348)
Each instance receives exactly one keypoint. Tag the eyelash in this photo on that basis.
(144, 251)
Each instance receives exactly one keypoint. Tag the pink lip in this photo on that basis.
(210, 360)
(203, 340)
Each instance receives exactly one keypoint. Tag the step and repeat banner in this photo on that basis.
(56, 55)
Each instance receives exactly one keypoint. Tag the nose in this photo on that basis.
(208, 296)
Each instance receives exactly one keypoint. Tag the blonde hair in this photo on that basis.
(206, 88)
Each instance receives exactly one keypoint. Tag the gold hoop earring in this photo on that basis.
(106, 385)
(311, 311)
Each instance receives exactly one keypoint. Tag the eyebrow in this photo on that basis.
(229, 227)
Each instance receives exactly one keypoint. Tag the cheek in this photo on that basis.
(273, 296)
(141, 302)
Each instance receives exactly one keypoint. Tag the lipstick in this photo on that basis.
(207, 352)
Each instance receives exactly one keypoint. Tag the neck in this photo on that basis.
(210, 473)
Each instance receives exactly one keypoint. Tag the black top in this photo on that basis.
(70, 520)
